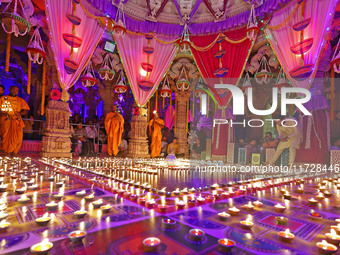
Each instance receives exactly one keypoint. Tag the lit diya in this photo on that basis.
(327, 193)
(151, 244)
(52, 206)
(196, 234)
(333, 237)
(312, 201)
(163, 208)
(223, 216)
(106, 208)
(258, 204)
(3, 187)
(33, 187)
(300, 190)
(326, 248)
(81, 193)
(59, 184)
(180, 204)
(249, 206)
(286, 236)
(234, 211)
(281, 220)
(3, 215)
(134, 197)
(192, 201)
(247, 224)
(21, 190)
(226, 244)
(150, 203)
(4, 225)
(51, 178)
(315, 215)
(97, 204)
(44, 220)
(320, 196)
(58, 196)
(200, 199)
(141, 200)
(23, 199)
(280, 208)
(169, 223)
(89, 198)
(42, 248)
(287, 195)
(336, 228)
(77, 236)
(80, 213)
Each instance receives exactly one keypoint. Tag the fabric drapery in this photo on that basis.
(90, 31)
(170, 121)
(222, 133)
(131, 52)
(106, 8)
(281, 39)
(235, 58)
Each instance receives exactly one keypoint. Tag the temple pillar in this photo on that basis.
(138, 146)
(181, 131)
(56, 141)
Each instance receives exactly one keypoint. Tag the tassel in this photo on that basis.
(43, 89)
(171, 106)
(29, 76)
(332, 95)
(156, 102)
(8, 52)
(208, 106)
(187, 125)
(149, 113)
(176, 109)
(163, 103)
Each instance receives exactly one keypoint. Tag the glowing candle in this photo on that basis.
(4, 225)
(42, 248)
(286, 235)
(234, 211)
(151, 244)
(226, 244)
(280, 208)
(223, 216)
(326, 248)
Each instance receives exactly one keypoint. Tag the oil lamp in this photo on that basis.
(286, 236)
(41, 248)
(77, 236)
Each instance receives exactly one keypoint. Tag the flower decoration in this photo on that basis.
(55, 94)
(137, 111)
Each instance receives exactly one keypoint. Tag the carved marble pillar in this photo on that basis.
(138, 146)
(56, 141)
(182, 121)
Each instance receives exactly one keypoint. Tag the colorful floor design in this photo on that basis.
(122, 230)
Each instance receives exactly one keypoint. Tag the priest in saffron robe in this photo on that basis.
(155, 131)
(12, 125)
(114, 126)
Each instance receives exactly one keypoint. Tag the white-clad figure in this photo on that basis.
(290, 136)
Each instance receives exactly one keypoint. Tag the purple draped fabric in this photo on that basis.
(194, 10)
(107, 8)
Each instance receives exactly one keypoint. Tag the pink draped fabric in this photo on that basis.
(90, 31)
(314, 148)
(31, 146)
(321, 13)
(131, 52)
(222, 133)
(170, 121)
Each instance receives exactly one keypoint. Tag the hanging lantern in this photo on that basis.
(302, 73)
(105, 72)
(263, 73)
(119, 28)
(184, 43)
(165, 90)
(35, 49)
(70, 66)
(221, 38)
(120, 87)
(221, 72)
(183, 83)
(199, 91)
(302, 47)
(252, 28)
(219, 54)
(75, 20)
(72, 40)
(335, 63)
(148, 50)
(88, 79)
(281, 81)
(12, 22)
(145, 85)
(147, 67)
(301, 25)
(246, 84)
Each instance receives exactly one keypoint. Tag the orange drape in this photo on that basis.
(114, 126)
(12, 125)
(155, 131)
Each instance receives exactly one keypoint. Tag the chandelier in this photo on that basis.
(35, 49)
(119, 28)
(105, 72)
(120, 86)
(88, 79)
(263, 73)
